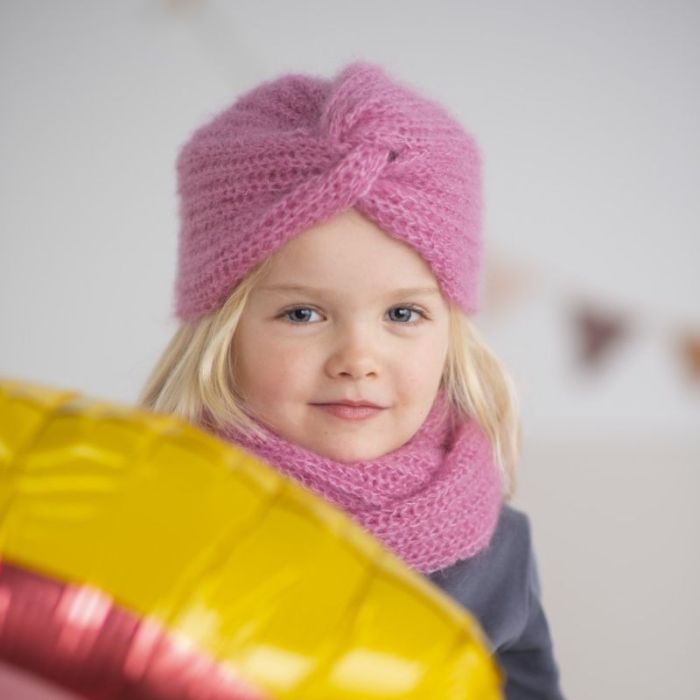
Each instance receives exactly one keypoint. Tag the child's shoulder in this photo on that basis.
(513, 532)
(510, 548)
(496, 584)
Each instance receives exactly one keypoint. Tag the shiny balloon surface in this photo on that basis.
(143, 558)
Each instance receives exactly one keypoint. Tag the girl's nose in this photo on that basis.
(352, 359)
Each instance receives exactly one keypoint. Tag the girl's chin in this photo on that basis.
(350, 453)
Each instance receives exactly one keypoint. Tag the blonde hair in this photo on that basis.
(195, 378)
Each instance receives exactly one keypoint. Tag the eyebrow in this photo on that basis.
(400, 291)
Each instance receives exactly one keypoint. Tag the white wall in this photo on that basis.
(587, 116)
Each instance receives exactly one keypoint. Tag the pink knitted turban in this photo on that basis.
(295, 151)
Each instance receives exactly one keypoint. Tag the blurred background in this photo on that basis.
(587, 117)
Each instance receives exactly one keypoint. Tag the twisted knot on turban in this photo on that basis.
(295, 151)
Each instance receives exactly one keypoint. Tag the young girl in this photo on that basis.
(328, 263)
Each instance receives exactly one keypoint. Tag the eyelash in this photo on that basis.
(424, 316)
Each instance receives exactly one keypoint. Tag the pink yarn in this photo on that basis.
(295, 151)
(433, 501)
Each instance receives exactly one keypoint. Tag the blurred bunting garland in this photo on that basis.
(599, 328)
(504, 283)
(599, 331)
(689, 345)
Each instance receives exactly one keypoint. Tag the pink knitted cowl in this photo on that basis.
(433, 501)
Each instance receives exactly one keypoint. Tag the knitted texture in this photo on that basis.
(433, 501)
(295, 151)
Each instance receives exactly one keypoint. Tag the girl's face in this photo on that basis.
(344, 314)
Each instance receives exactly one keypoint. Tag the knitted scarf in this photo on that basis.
(433, 501)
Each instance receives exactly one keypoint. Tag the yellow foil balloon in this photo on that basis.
(268, 590)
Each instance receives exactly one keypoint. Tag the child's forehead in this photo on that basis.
(349, 250)
(370, 291)
(349, 277)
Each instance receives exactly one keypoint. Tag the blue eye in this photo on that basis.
(404, 314)
(301, 314)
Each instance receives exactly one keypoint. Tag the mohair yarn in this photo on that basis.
(295, 151)
(433, 501)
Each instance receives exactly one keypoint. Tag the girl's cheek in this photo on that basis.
(281, 367)
(422, 372)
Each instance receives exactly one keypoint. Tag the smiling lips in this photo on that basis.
(351, 410)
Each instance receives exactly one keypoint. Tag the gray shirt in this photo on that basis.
(501, 588)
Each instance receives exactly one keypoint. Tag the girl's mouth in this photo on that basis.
(348, 412)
